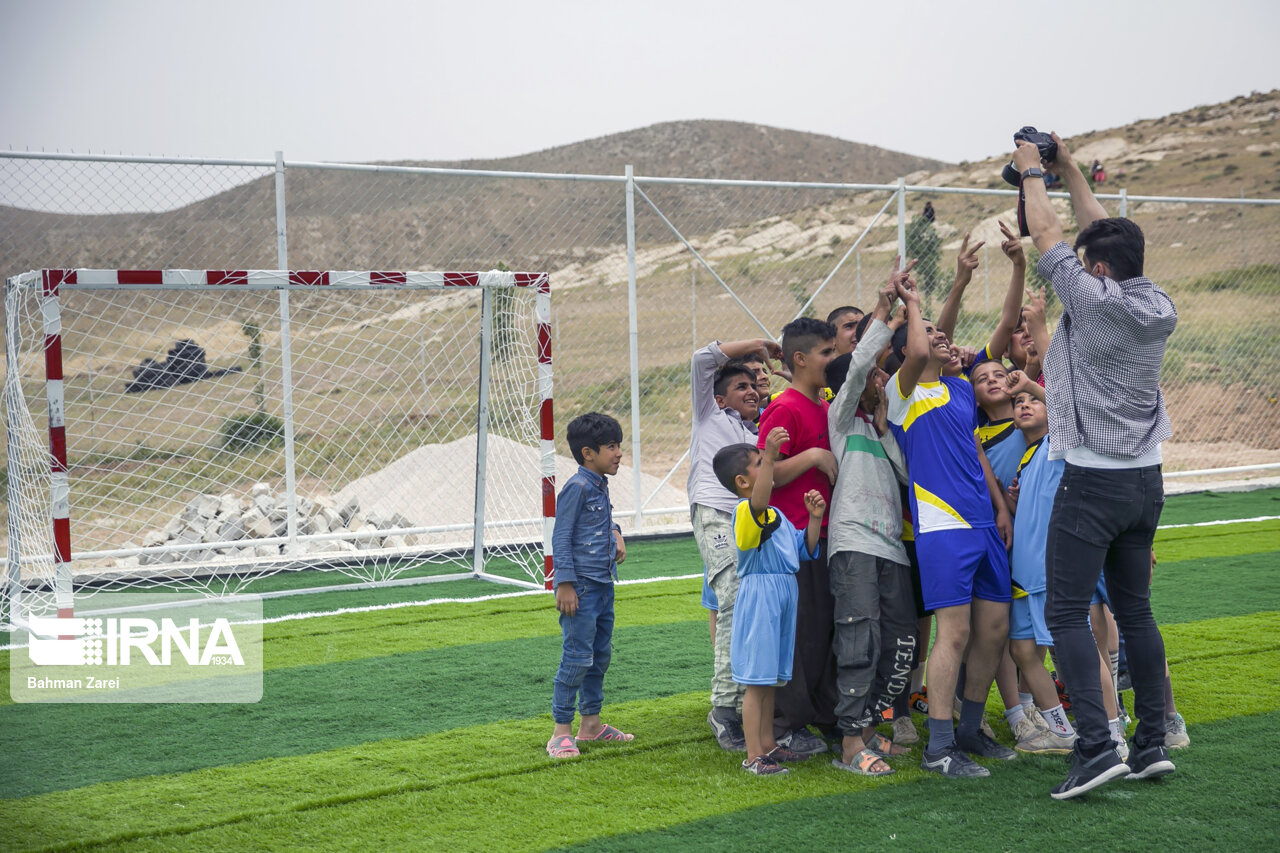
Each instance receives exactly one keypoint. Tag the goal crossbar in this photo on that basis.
(49, 286)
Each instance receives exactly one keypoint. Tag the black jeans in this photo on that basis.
(1104, 521)
(875, 635)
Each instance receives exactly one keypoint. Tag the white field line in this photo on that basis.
(371, 608)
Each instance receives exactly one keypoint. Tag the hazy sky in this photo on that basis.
(393, 79)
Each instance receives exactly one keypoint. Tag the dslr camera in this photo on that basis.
(1043, 141)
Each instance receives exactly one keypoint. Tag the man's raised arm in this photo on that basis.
(1087, 208)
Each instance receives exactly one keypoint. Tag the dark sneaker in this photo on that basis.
(980, 744)
(803, 741)
(1087, 775)
(1149, 763)
(763, 765)
(726, 725)
(919, 701)
(1123, 682)
(781, 753)
(952, 763)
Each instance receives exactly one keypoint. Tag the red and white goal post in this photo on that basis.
(206, 429)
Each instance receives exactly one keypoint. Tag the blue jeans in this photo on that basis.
(1103, 522)
(588, 644)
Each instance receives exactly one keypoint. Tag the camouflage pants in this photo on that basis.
(713, 531)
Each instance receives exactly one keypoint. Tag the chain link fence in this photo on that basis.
(645, 270)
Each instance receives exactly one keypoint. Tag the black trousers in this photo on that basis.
(875, 635)
(1104, 521)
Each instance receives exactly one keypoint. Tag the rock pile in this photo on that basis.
(263, 515)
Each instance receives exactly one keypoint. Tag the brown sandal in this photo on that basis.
(885, 748)
(863, 762)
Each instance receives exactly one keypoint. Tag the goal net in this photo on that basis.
(215, 430)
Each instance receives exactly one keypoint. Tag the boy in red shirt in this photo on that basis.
(807, 463)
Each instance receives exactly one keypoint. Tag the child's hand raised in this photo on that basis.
(1033, 311)
(1012, 246)
(967, 261)
(773, 442)
(815, 503)
(1016, 381)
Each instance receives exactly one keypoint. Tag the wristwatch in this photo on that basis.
(1033, 172)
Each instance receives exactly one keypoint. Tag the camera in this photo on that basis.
(1043, 141)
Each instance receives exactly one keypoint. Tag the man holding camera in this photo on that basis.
(1107, 419)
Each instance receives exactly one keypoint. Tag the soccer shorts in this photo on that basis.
(764, 629)
(708, 594)
(957, 566)
(1026, 619)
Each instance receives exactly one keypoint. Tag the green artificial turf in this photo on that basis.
(422, 727)
(1202, 806)
(1216, 506)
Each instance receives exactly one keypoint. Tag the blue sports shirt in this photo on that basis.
(935, 429)
(1038, 477)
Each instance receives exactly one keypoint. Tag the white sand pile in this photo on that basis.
(435, 485)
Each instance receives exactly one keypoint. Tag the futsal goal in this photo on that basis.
(229, 430)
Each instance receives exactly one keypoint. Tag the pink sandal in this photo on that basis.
(562, 746)
(608, 734)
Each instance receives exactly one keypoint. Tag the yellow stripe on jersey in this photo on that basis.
(939, 395)
(926, 500)
(747, 530)
(999, 429)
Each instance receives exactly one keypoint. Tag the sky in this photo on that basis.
(348, 81)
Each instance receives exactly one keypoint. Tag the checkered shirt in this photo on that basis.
(1102, 369)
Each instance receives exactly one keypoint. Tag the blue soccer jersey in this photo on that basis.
(1038, 477)
(935, 427)
(1004, 446)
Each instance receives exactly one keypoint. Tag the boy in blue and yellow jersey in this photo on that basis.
(1035, 486)
(769, 553)
(963, 530)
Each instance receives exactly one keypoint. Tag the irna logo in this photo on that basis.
(76, 641)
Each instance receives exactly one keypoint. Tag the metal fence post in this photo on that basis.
(1124, 203)
(286, 364)
(634, 335)
(902, 219)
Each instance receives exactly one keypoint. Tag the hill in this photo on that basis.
(346, 218)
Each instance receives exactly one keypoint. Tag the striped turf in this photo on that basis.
(423, 727)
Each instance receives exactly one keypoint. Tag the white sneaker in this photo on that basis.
(1122, 747)
(1046, 743)
(1024, 729)
(1175, 732)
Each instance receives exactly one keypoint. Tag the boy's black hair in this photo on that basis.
(730, 369)
(803, 334)
(592, 430)
(898, 344)
(862, 327)
(1118, 243)
(844, 309)
(730, 461)
(837, 371)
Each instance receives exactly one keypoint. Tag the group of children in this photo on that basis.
(897, 484)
